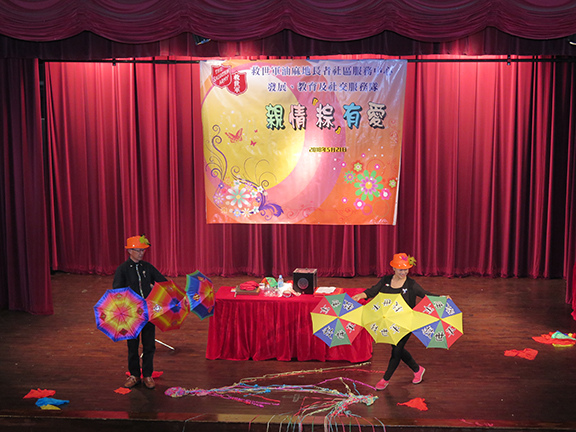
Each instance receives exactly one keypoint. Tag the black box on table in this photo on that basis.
(305, 280)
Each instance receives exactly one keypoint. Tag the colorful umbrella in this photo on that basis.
(201, 294)
(168, 305)
(121, 314)
(337, 319)
(388, 318)
(446, 324)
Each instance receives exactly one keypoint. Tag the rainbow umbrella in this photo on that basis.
(337, 319)
(200, 293)
(121, 314)
(446, 322)
(168, 305)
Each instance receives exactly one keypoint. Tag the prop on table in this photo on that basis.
(324, 291)
(446, 326)
(121, 314)
(200, 292)
(305, 280)
(168, 305)
(557, 339)
(337, 320)
(269, 281)
(527, 353)
(418, 403)
(37, 394)
(387, 318)
(248, 288)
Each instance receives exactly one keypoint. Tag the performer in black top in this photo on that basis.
(398, 283)
(140, 276)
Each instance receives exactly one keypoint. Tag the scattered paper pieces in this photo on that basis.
(155, 374)
(556, 338)
(37, 394)
(527, 353)
(122, 390)
(50, 407)
(418, 403)
(50, 401)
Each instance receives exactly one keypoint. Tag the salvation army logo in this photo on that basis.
(223, 77)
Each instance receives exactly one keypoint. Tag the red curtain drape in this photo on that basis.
(232, 20)
(24, 258)
(483, 190)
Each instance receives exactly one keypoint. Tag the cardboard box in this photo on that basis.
(305, 280)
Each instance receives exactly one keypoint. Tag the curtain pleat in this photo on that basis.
(24, 252)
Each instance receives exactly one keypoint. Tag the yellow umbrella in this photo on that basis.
(388, 318)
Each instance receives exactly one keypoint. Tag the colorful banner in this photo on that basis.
(302, 141)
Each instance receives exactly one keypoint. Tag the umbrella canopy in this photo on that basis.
(200, 293)
(446, 325)
(121, 314)
(168, 305)
(337, 319)
(387, 318)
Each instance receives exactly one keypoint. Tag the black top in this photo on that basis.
(140, 277)
(410, 290)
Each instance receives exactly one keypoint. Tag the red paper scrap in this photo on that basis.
(37, 394)
(122, 390)
(417, 403)
(155, 374)
(527, 353)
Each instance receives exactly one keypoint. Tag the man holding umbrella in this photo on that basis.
(140, 276)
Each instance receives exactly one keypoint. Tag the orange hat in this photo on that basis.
(137, 242)
(402, 261)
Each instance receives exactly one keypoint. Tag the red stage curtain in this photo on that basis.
(88, 46)
(483, 191)
(232, 20)
(24, 260)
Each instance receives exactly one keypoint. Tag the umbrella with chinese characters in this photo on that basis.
(446, 325)
(337, 319)
(201, 294)
(388, 318)
(168, 305)
(121, 314)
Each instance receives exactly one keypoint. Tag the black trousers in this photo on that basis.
(148, 337)
(399, 353)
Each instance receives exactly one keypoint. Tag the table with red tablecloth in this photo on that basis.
(257, 327)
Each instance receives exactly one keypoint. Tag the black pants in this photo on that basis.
(148, 337)
(399, 353)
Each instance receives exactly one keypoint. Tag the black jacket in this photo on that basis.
(140, 277)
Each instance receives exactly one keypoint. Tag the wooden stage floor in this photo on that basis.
(472, 386)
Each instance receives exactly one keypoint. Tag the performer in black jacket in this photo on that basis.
(140, 276)
(398, 283)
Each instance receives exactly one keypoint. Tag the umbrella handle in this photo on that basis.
(165, 344)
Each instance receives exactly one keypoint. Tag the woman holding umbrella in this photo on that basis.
(140, 276)
(398, 283)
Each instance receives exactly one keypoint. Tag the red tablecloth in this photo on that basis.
(261, 328)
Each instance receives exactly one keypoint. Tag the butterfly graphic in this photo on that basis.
(252, 143)
(235, 137)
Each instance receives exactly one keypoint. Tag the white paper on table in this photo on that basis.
(325, 290)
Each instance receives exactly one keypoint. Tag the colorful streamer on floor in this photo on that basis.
(337, 405)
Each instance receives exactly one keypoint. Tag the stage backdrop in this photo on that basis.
(302, 141)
